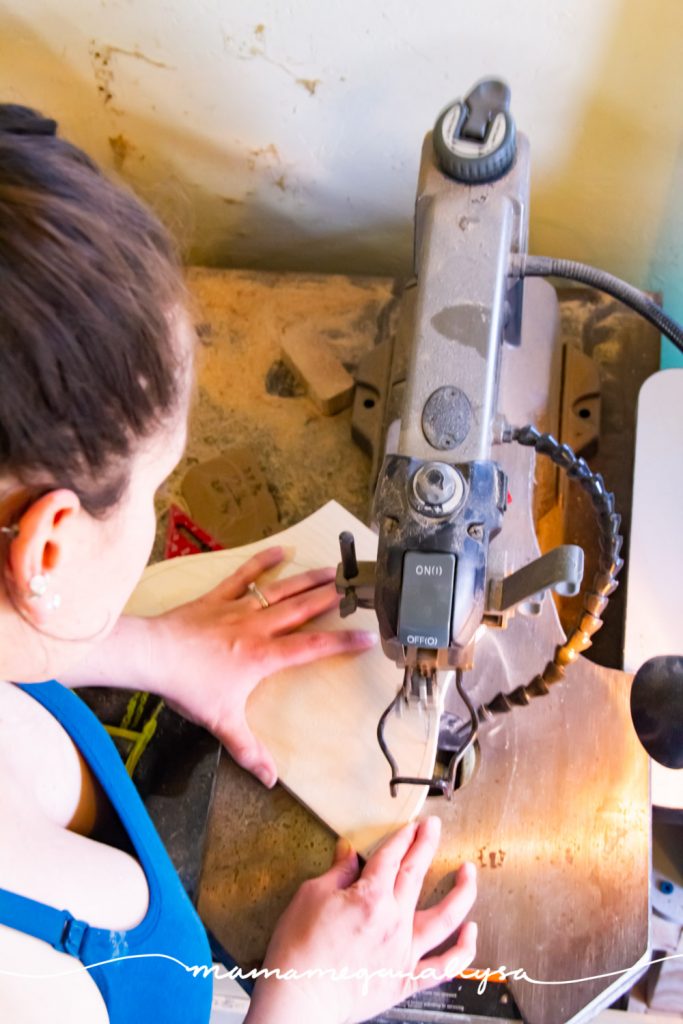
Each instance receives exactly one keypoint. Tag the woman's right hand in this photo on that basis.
(364, 922)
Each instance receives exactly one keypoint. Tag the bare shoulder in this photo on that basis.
(37, 752)
(42, 860)
(53, 983)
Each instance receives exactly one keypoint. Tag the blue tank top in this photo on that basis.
(145, 973)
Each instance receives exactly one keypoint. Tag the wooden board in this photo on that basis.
(320, 721)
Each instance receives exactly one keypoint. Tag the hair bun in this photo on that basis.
(18, 120)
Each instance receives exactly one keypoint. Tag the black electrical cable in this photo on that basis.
(546, 266)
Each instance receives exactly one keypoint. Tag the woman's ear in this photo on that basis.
(40, 547)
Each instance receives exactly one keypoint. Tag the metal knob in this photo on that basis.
(438, 488)
(657, 709)
(347, 545)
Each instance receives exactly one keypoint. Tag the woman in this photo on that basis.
(95, 376)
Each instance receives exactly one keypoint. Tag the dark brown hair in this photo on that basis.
(88, 282)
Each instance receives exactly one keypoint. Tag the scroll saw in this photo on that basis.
(454, 411)
(551, 798)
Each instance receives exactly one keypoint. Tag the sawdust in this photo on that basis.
(121, 148)
(307, 458)
(309, 84)
(101, 55)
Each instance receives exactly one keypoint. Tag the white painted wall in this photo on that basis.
(287, 134)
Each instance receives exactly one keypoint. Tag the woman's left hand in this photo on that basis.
(212, 652)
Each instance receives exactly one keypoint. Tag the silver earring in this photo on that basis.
(10, 531)
(37, 585)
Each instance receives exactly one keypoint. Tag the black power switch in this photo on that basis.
(424, 618)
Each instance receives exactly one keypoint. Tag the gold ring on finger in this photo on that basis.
(258, 593)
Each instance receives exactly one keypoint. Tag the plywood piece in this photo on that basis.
(327, 382)
(320, 720)
(229, 497)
